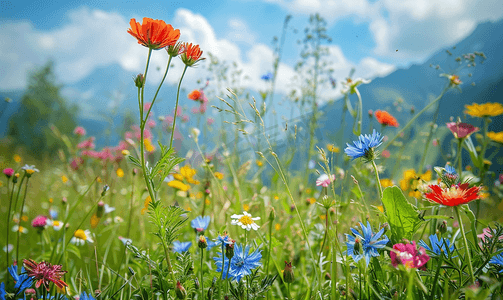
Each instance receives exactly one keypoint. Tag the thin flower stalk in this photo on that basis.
(415, 117)
(21, 213)
(11, 193)
(378, 183)
(467, 248)
(176, 107)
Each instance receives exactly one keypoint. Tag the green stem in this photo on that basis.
(201, 275)
(176, 107)
(465, 241)
(158, 88)
(415, 117)
(131, 207)
(269, 248)
(437, 273)
(168, 262)
(360, 113)
(144, 83)
(20, 216)
(460, 160)
(8, 226)
(428, 140)
(378, 182)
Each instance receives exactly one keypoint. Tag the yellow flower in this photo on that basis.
(64, 179)
(484, 110)
(187, 208)
(187, 171)
(148, 145)
(120, 173)
(24, 218)
(496, 136)
(259, 163)
(386, 182)
(125, 152)
(145, 205)
(17, 158)
(98, 179)
(380, 208)
(322, 217)
(207, 201)
(487, 162)
(312, 200)
(219, 175)
(51, 200)
(276, 197)
(178, 177)
(95, 220)
(246, 207)
(333, 148)
(277, 226)
(179, 185)
(199, 195)
(308, 191)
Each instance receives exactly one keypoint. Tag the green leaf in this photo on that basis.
(402, 216)
(134, 160)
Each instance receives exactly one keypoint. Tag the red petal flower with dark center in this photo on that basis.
(44, 273)
(453, 196)
(154, 34)
(384, 118)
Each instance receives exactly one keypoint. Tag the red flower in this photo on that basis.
(453, 196)
(44, 272)
(154, 34)
(195, 95)
(385, 118)
(461, 130)
(192, 54)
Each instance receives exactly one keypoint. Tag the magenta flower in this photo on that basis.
(79, 130)
(44, 273)
(409, 255)
(8, 172)
(87, 144)
(461, 130)
(39, 221)
(324, 180)
(210, 121)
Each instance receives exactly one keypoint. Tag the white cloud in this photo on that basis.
(418, 28)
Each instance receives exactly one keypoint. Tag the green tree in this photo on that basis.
(42, 106)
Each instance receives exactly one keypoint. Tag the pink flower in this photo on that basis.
(185, 118)
(8, 172)
(39, 221)
(461, 130)
(151, 123)
(44, 273)
(87, 144)
(76, 163)
(486, 232)
(195, 110)
(146, 106)
(409, 255)
(202, 108)
(169, 120)
(79, 130)
(386, 154)
(211, 121)
(324, 180)
(435, 142)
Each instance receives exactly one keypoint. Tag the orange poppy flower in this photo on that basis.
(453, 196)
(154, 34)
(385, 118)
(192, 54)
(194, 95)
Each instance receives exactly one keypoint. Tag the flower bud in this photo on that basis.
(272, 215)
(16, 176)
(105, 189)
(229, 250)
(196, 283)
(442, 227)
(288, 276)
(139, 81)
(412, 110)
(371, 113)
(180, 291)
(357, 247)
(202, 243)
(101, 209)
(175, 50)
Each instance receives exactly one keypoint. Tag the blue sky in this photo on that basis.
(84, 35)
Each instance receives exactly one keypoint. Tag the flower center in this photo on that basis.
(30, 171)
(80, 234)
(246, 220)
(55, 223)
(239, 263)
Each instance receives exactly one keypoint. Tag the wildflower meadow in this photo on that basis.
(246, 205)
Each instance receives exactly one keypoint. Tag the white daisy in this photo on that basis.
(56, 225)
(80, 237)
(19, 228)
(108, 209)
(245, 221)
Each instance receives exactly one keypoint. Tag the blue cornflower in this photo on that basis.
(365, 145)
(437, 246)
(222, 240)
(497, 260)
(241, 263)
(23, 281)
(450, 170)
(180, 247)
(200, 223)
(210, 244)
(2, 291)
(365, 244)
(267, 76)
(84, 296)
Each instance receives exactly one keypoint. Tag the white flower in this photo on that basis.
(350, 85)
(125, 240)
(28, 167)
(118, 219)
(11, 247)
(56, 225)
(108, 209)
(195, 133)
(80, 237)
(19, 228)
(245, 221)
